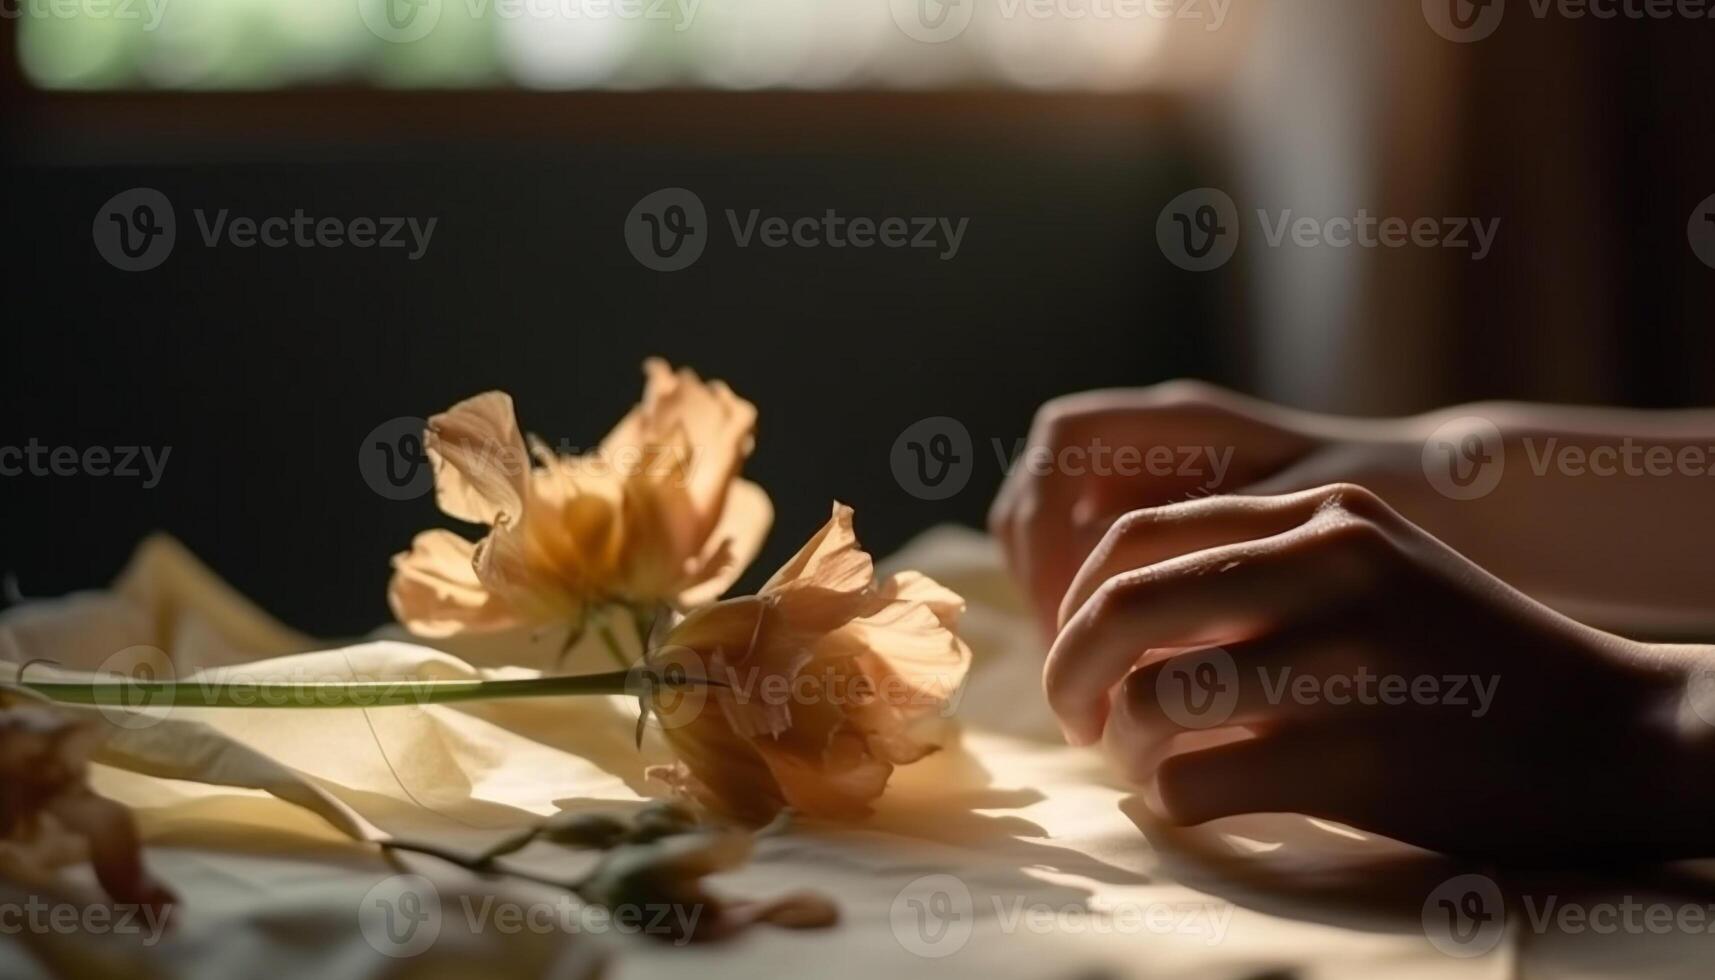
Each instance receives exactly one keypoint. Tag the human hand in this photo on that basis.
(1641, 571)
(1058, 499)
(1239, 652)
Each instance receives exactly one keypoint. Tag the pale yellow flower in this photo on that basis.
(831, 678)
(657, 515)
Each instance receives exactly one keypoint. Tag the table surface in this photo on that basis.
(1006, 854)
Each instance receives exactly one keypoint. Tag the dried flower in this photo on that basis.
(829, 677)
(666, 876)
(49, 817)
(656, 516)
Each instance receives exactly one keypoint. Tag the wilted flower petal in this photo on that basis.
(50, 817)
(828, 676)
(656, 516)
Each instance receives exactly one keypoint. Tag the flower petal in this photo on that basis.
(915, 634)
(707, 428)
(831, 560)
(838, 783)
(735, 542)
(482, 467)
(435, 590)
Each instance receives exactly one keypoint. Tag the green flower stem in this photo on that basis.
(483, 864)
(219, 693)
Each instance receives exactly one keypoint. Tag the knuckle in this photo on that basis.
(1187, 391)
(1364, 540)
(1052, 417)
(1359, 501)
(1116, 596)
(1129, 525)
(1148, 520)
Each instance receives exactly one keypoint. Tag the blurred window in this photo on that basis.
(606, 44)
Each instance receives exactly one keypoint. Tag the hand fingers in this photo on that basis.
(1147, 537)
(1316, 771)
(1056, 503)
(1037, 512)
(1243, 684)
(1213, 597)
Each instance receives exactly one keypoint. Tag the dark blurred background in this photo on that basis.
(265, 370)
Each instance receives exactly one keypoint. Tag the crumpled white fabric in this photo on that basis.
(1009, 854)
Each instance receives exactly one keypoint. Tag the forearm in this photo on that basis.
(1608, 515)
